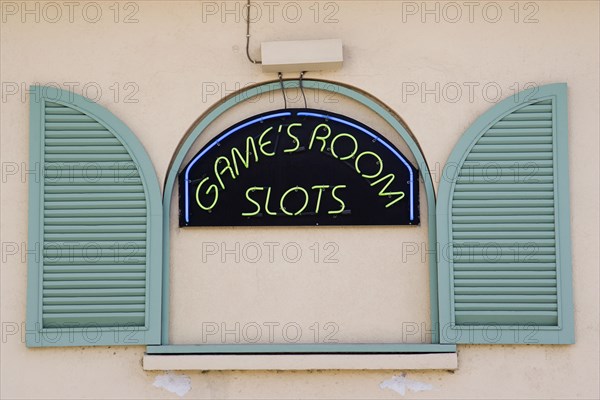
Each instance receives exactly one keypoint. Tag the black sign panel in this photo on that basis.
(298, 167)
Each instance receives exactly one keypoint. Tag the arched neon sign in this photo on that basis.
(299, 167)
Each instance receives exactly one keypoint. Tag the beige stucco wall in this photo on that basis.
(173, 60)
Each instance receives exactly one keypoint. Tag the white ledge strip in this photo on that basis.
(298, 362)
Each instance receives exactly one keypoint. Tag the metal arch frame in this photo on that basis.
(186, 143)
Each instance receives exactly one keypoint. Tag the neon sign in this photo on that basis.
(298, 167)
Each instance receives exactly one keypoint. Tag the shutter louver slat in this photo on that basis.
(535, 108)
(516, 147)
(92, 308)
(524, 274)
(95, 228)
(507, 317)
(84, 141)
(99, 196)
(512, 132)
(516, 165)
(490, 219)
(91, 158)
(68, 117)
(473, 211)
(95, 300)
(92, 205)
(504, 291)
(85, 220)
(75, 126)
(79, 135)
(112, 275)
(503, 265)
(91, 293)
(504, 156)
(135, 283)
(526, 116)
(71, 267)
(96, 236)
(83, 149)
(531, 298)
(98, 320)
(504, 205)
(494, 194)
(504, 124)
(93, 182)
(94, 187)
(94, 260)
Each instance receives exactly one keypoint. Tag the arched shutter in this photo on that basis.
(503, 226)
(95, 215)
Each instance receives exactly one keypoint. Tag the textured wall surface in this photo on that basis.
(159, 65)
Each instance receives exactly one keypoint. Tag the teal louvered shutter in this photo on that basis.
(95, 215)
(504, 267)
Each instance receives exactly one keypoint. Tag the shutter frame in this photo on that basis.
(37, 333)
(526, 333)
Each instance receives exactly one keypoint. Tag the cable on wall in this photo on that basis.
(282, 90)
(302, 88)
(253, 61)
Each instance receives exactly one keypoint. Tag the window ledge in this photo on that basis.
(298, 362)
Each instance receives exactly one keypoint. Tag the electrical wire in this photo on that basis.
(248, 35)
(302, 88)
(282, 90)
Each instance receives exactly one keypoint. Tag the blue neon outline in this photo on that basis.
(394, 151)
(206, 149)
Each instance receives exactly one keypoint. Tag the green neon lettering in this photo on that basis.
(379, 162)
(250, 150)
(252, 189)
(320, 188)
(349, 155)
(262, 144)
(321, 138)
(342, 204)
(211, 187)
(221, 172)
(267, 202)
(293, 137)
(382, 192)
(295, 188)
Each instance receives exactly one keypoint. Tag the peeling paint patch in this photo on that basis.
(174, 383)
(400, 384)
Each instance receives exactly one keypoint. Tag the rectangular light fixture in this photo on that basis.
(302, 55)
